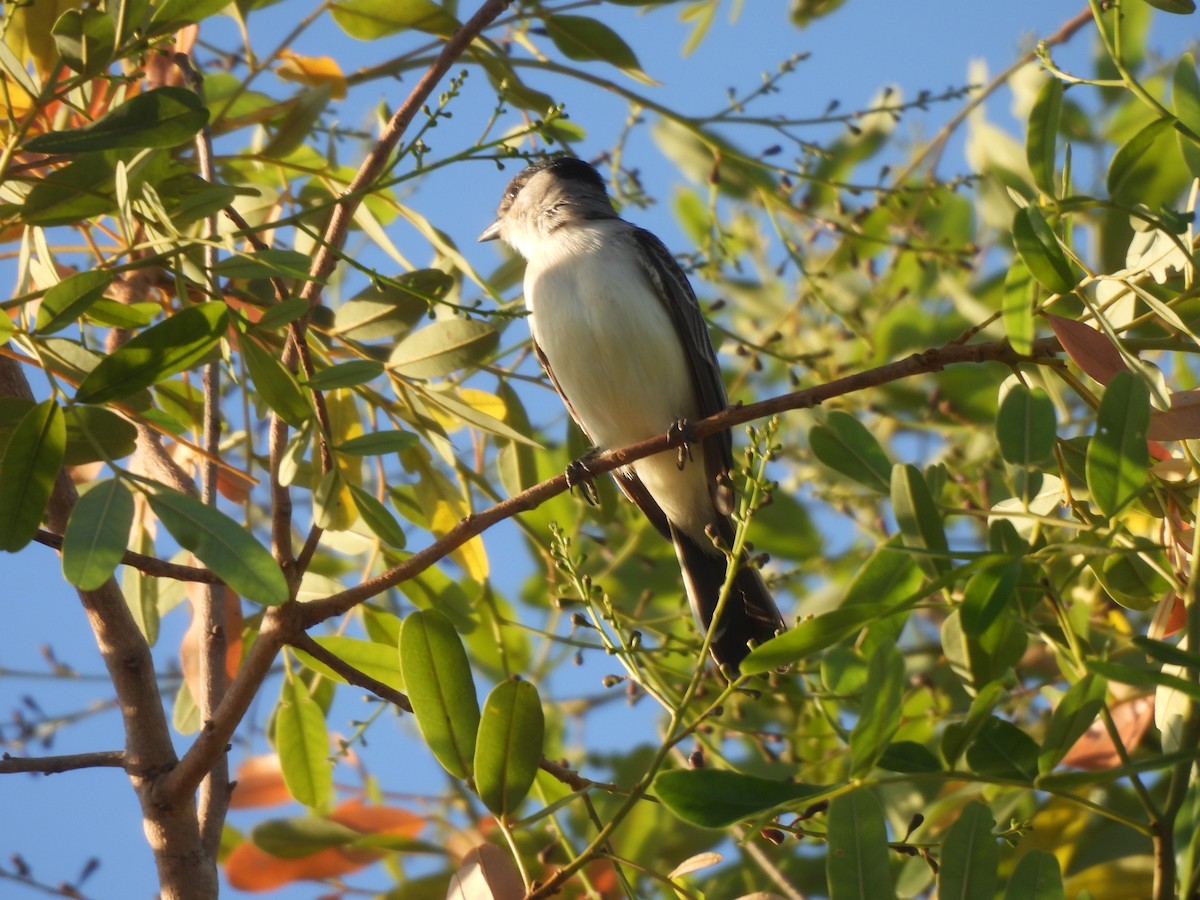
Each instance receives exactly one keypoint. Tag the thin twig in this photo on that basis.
(53, 765)
(147, 565)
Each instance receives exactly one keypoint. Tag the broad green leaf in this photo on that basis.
(509, 748)
(1073, 716)
(1185, 103)
(504, 80)
(1039, 250)
(170, 347)
(918, 517)
(846, 445)
(297, 126)
(302, 742)
(437, 676)
(1143, 678)
(517, 462)
(6, 328)
(987, 593)
(1019, 293)
(371, 19)
(582, 39)
(299, 837)
(1135, 163)
(223, 545)
(31, 460)
(386, 311)
(1117, 457)
(969, 857)
(95, 433)
(1131, 580)
(443, 347)
(1026, 427)
(1178, 7)
(377, 518)
(162, 117)
(810, 636)
(270, 263)
(97, 534)
(1042, 136)
(377, 660)
(1036, 877)
(859, 858)
(1167, 653)
(81, 190)
(85, 39)
(344, 375)
(718, 798)
(379, 443)
(278, 315)
(169, 15)
(909, 757)
(882, 702)
(274, 383)
(122, 315)
(1002, 750)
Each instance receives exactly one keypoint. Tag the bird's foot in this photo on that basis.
(580, 476)
(680, 436)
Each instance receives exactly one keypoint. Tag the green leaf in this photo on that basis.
(95, 433)
(882, 702)
(1026, 427)
(298, 124)
(1130, 579)
(987, 593)
(1178, 7)
(170, 347)
(74, 192)
(31, 460)
(717, 798)
(377, 518)
(377, 660)
(1135, 163)
(385, 312)
(347, 374)
(1042, 135)
(1185, 103)
(583, 39)
(509, 748)
(371, 19)
(1073, 716)
(918, 517)
(302, 742)
(909, 757)
(169, 15)
(845, 445)
(1036, 877)
(275, 384)
(223, 545)
(1017, 306)
(858, 860)
(437, 676)
(1002, 750)
(162, 117)
(277, 315)
(85, 39)
(1143, 678)
(1117, 457)
(271, 263)
(1039, 250)
(97, 534)
(969, 857)
(299, 837)
(810, 636)
(379, 443)
(444, 347)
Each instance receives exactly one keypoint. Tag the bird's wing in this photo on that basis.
(673, 289)
(631, 486)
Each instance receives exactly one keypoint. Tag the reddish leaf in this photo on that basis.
(1181, 422)
(1095, 750)
(189, 647)
(259, 783)
(1088, 348)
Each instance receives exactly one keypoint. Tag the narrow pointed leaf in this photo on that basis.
(810, 636)
(167, 349)
(1185, 103)
(69, 299)
(1002, 750)
(444, 347)
(275, 384)
(882, 702)
(582, 39)
(859, 857)
(379, 443)
(1026, 427)
(1036, 877)
(97, 534)
(1018, 300)
(1042, 136)
(376, 517)
(969, 857)
(918, 517)
(1073, 716)
(223, 545)
(347, 374)
(302, 741)
(31, 460)
(717, 798)
(1117, 458)
(986, 595)
(845, 445)
(370, 19)
(1136, 161)
(377, 660)
(509, 747)
(437, 676)
(1038, 248)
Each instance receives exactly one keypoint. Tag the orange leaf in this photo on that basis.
(1088, 348)
(1181, 422)
(251, 869)
(377, 819)
(259, 783)
(313, 71)
(1095, 750)
(189, 647)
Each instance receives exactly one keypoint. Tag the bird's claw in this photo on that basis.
(680, 436)
(580, 476)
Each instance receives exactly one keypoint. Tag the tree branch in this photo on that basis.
(53, 765)
(149, 565)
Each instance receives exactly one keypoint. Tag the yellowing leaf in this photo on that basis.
(313, 71)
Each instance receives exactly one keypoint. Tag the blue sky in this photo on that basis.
(56, 824)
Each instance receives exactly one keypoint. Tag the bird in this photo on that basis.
(618, 330)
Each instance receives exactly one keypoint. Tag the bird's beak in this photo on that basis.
(491, 232)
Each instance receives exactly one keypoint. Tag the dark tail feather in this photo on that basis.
(750, 613)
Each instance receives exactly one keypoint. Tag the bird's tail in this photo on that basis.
(750, 613)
